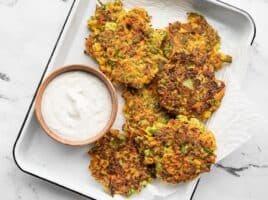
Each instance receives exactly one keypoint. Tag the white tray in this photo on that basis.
(38, 155)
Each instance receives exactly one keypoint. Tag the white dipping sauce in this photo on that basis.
(76, 105)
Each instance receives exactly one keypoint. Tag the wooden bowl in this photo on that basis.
(54, 74)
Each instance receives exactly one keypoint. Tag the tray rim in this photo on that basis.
(237, 9)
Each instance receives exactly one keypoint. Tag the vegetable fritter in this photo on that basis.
(189, 90)
(125, 45)
(196, 38)
(142, 109)
(117, 165)
(181, 149)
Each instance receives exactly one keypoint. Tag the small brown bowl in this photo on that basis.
(75, 67)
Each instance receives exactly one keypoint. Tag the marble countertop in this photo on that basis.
(31, 26)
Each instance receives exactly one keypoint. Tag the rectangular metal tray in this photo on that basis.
(37, 155)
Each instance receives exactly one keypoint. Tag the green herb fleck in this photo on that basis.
(188, 83)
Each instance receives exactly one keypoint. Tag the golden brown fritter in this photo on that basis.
(196, 38)
(142, 109)
(104, 13)
(117, 165)
(127, 48)
(181, 149)
(189, 90)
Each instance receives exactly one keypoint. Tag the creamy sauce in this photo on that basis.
(76, 105)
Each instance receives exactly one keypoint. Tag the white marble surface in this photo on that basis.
(28, 31)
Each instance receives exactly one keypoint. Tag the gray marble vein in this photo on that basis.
(4, 77)
(35, 192)
(235, 170)
(9, 3)
(2, 97)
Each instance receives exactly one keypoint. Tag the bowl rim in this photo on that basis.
(68, 68)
